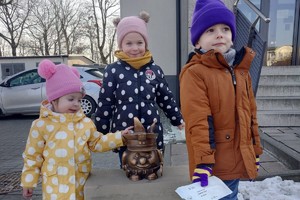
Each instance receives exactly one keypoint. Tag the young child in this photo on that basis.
(59, 142)
(134, 84)
(217, 101)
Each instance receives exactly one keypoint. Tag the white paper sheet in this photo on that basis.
(216, 189)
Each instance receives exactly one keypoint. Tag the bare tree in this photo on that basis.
(59, 27)
(89, 32)
(103, 11)
(13, 17)
(5, 2)
(68, 19)
(4, 46)
(41, 28)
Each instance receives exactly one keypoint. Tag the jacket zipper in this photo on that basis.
(232, 75)
(230, 68)
(139, 94)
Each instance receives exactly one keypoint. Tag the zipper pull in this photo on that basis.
(232, 75)
(233, 79)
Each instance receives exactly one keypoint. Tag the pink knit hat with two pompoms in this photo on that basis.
(130, 24)
(60, 79)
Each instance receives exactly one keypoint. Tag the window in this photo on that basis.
(26, 78)
(95, 72)
(280, 36)
(248, 12)
(9, 69)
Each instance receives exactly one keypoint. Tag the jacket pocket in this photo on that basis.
(85, 167)
(224, 136)
(50, 179)
(225, 155)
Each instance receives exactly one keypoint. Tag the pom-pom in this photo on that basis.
(116, 21)
(46, 69)
(144, 16)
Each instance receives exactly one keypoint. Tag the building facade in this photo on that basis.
(13, 65)
(170, 21)
(282, 33)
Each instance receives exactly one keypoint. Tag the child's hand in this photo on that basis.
(126, 131)
(181, 126)
(201, 174)
(27, 193)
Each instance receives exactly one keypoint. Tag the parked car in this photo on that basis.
(89, 74)
(22, 93)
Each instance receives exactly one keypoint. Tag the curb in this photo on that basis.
(282, 152)
(167, 154)
(288, 175)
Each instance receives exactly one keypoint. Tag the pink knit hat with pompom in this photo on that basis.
(130, 24)
(60, 79)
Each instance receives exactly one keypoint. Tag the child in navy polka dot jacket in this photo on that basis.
(134, 85)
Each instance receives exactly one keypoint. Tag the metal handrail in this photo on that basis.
(257, 11)
(254, 8)
(260, 15)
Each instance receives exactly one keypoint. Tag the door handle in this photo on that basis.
(35, 88)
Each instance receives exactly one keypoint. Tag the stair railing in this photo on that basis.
(259, 15)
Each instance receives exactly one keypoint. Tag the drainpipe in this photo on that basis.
(178, 49)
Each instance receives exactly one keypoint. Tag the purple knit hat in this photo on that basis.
(208, 13)
(130, 24)
(60, 79)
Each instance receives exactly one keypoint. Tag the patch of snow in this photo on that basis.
(271, 188)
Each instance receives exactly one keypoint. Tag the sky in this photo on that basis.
(271, 188)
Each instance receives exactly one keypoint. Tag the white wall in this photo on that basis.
(161, 29)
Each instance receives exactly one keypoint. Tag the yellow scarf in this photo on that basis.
(136, 63)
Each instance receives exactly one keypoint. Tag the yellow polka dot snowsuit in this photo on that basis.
(58, 148)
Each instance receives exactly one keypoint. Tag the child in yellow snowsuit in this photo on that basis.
(60, 140)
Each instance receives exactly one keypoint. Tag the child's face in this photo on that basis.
(70, 103)
(133, 45)
(217, 37)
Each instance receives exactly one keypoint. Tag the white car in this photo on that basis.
(88, 74)
(22, 93)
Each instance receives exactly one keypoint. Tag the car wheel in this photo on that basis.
(88, 105)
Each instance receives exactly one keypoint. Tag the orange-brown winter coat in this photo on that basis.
(221, 124)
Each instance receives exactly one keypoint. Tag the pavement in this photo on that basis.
(283, 144)
(281, 157)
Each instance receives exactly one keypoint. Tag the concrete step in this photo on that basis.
(280, 70)
(283, 143)
(279, 79)
(278, 117)
(278, 102)
(278, 96)
(278, 90)
(113, 184)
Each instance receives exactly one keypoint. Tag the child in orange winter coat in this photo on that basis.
(217, 101)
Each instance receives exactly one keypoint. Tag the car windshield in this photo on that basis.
(95, 72)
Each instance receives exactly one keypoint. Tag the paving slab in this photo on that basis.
(284, 151)
(267, 157)
(113, 184)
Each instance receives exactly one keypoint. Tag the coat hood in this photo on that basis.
(46, 112)
(214, 59)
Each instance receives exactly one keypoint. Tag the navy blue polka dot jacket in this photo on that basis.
(127, 93)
